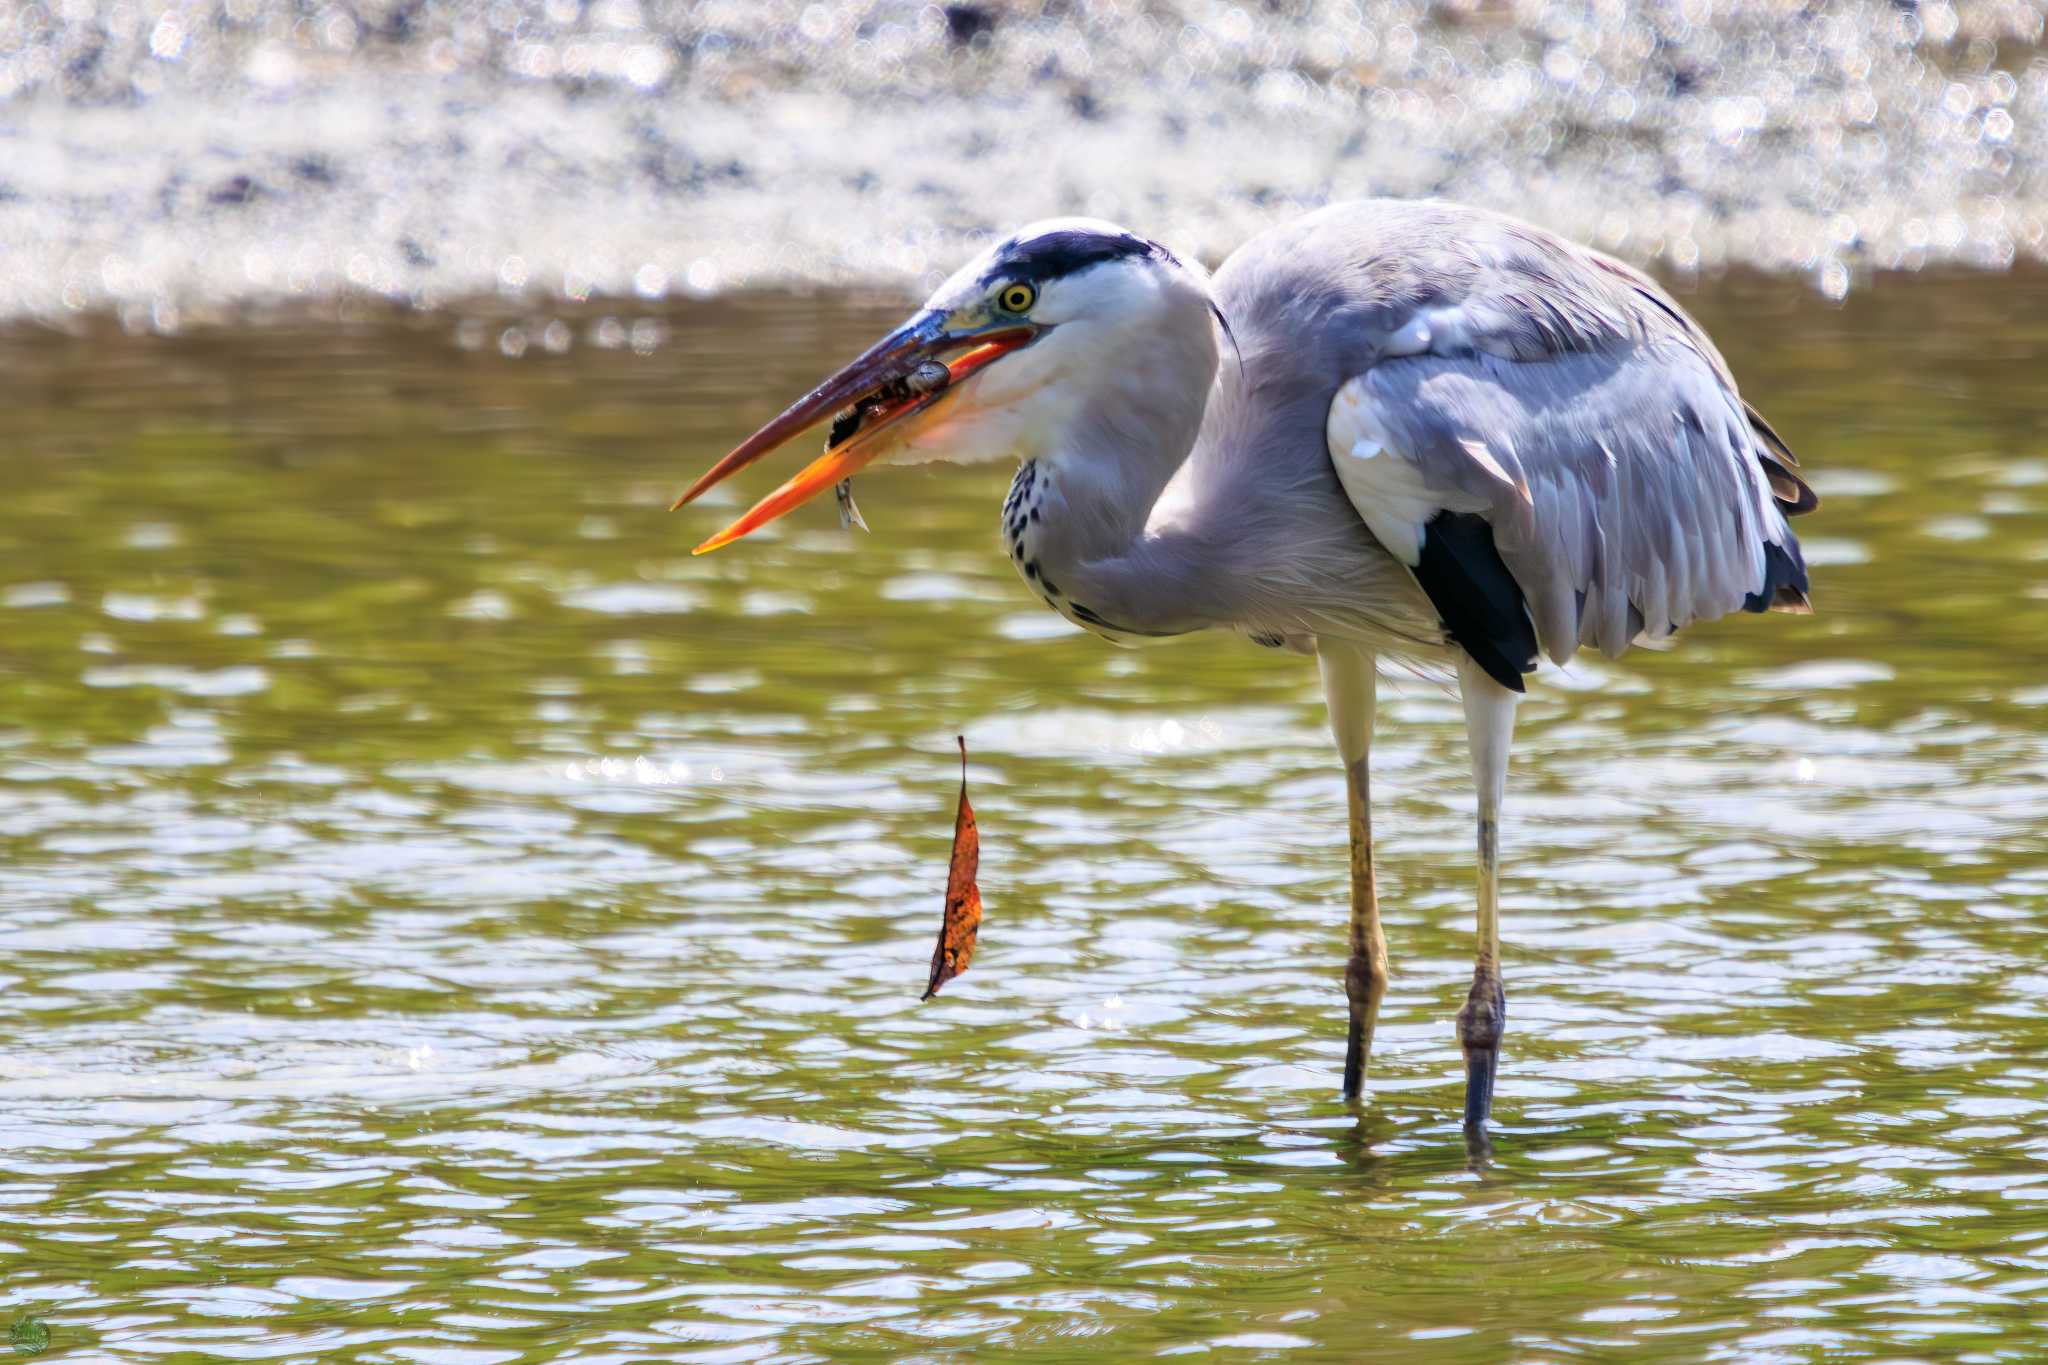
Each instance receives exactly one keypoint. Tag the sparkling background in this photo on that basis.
(174, 161)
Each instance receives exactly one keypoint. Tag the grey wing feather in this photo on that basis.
(1622, 490)
(1564, 398)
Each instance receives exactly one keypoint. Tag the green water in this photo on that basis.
(445, 922)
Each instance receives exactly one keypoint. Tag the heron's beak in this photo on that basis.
(924, 337)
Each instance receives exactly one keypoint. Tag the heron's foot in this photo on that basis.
(1478, 1148)
(1365, 984)
(1480, 1025)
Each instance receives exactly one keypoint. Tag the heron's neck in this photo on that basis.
(1083, 521)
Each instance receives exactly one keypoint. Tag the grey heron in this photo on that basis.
(1415, 431)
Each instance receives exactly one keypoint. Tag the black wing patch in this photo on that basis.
(1480, 602)
(1794, 498)
(1785, 584)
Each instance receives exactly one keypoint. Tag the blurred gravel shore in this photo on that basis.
(177, 162)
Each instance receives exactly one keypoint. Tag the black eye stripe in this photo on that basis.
(1055, 254)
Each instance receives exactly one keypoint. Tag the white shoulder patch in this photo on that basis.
(1382, 483)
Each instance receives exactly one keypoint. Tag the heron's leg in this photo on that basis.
(1490, 725)
(1350, 686)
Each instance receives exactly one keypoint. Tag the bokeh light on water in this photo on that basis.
(446, 922)
(173, 159)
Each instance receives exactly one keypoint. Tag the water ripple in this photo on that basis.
(448, 923)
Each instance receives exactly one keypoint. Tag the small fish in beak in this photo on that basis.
(849, 511)
(894, 381)
(927, 378)
(844, 425)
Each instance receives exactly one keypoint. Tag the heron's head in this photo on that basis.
(1027, 332)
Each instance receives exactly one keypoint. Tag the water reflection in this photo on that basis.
(448, 922)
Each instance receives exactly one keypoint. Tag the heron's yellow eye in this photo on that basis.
(1016, 298)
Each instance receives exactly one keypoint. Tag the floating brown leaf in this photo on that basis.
(963, 897)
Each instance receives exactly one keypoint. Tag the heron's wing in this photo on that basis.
(1572, 496)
